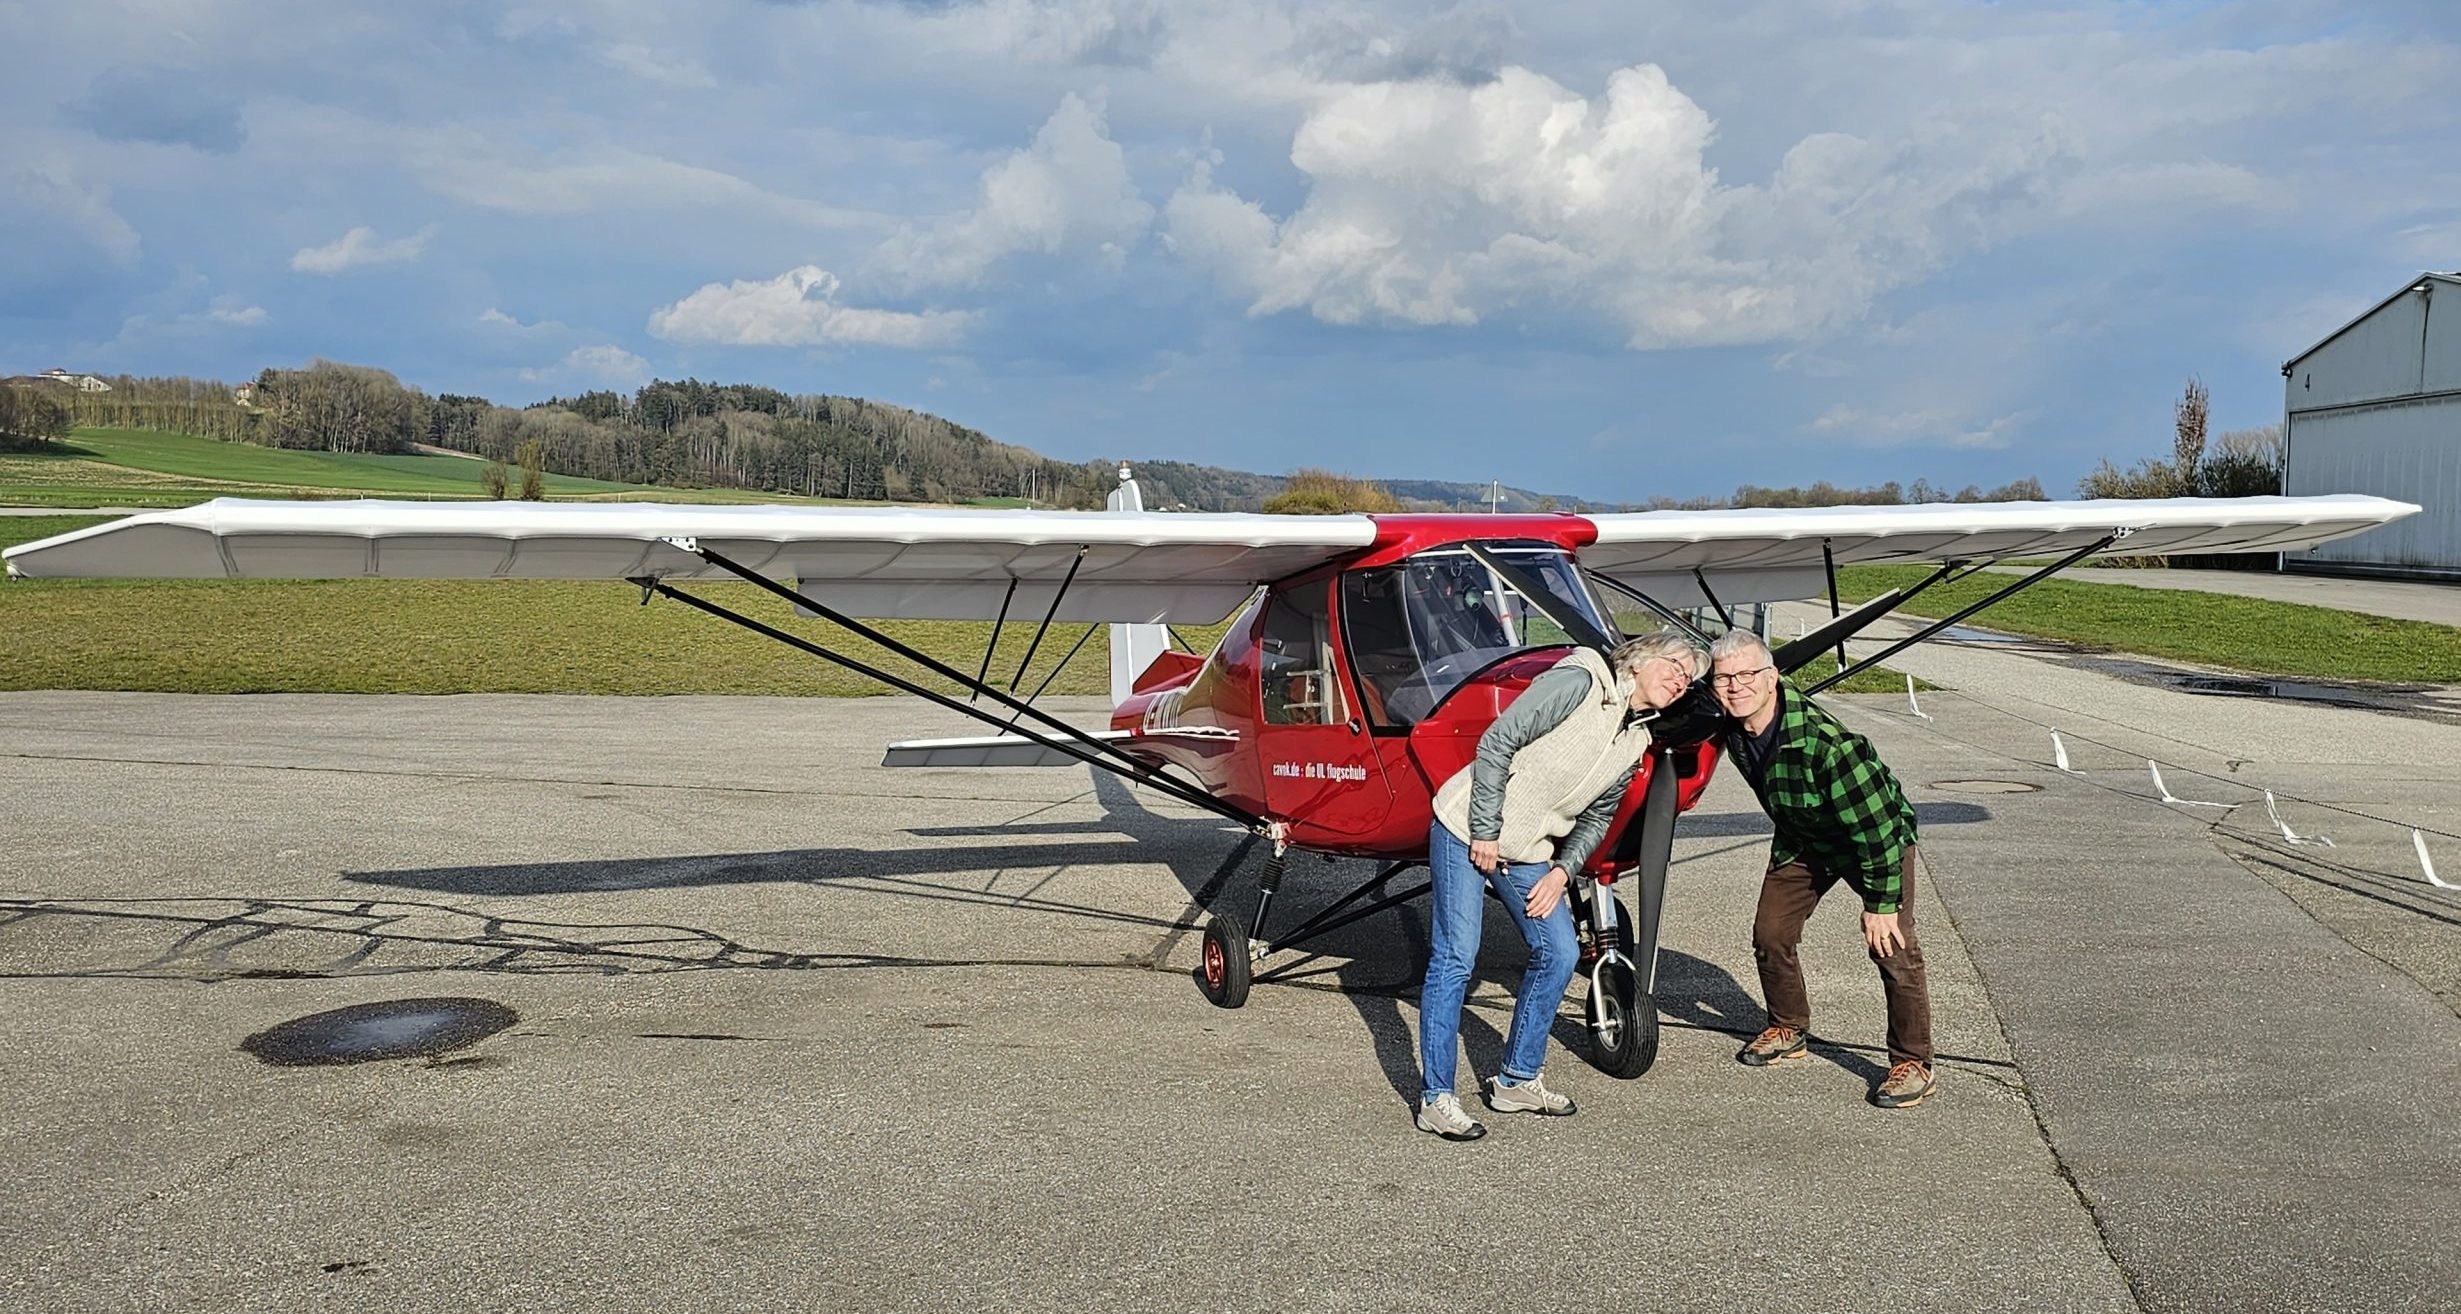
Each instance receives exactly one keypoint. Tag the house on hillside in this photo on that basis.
(2376, 408)
(81, 382)
(244, 394)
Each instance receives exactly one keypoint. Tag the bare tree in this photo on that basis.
(493, 480)
(2193, 409)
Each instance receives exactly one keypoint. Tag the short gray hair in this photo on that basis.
(1739, 643)
(1672, 644)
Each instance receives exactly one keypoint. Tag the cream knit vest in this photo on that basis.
(1556, 776)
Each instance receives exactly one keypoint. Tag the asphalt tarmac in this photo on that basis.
(742, 1020)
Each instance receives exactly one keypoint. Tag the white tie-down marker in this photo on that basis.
(2059, 755)
(1915, 707)
(2168, 797)
(2290, 836)
(2428, 864)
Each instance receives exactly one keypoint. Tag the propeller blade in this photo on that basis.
(1792, 657)
(1657, 851)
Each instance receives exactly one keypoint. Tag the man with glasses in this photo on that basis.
(1839, 816)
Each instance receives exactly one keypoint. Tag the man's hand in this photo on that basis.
(1881, 933)
(1548, 892)
(1483, 856)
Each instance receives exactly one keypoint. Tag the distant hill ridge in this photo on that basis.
(688, 433)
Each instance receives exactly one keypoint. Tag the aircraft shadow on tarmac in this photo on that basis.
(1376, 963)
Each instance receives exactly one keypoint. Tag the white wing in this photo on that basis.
(1775, 554)
(867, 561)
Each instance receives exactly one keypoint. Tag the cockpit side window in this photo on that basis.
(1296, 659)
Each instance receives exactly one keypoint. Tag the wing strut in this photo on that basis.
(1936, 626)
(1571, 622)
(1054, 673)
(994, 641)
(1828, 562)
(1723, 613)
(1045, 627)
(1664, 612)
(1071, 741)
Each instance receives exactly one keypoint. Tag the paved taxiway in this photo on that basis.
(797, 1031)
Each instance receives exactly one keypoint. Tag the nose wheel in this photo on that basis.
(1223, 974)
(1623, 1020)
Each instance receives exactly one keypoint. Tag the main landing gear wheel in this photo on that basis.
(1224, 972)
(1623, 1022)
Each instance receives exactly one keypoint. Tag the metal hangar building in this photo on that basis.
(2376, 408)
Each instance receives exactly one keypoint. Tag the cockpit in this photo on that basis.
(1420, 627)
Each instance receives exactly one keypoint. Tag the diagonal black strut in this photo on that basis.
(994, 641)
(1936, 626)
(1045, 627)
(1073, 742)
(1536, 593)
(1664, 612)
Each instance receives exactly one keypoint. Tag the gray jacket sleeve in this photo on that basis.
(1588, 829)
(1540, 708)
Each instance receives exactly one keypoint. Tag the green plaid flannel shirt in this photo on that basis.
(1834, 802)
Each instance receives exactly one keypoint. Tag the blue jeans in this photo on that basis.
(1456, 916)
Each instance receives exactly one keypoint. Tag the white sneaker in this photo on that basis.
(1443, 1116)
(1531, 1096)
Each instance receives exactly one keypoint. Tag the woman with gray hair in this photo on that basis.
(1524, 816)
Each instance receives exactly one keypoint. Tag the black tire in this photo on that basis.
(1223, 971)
(1623, 1034)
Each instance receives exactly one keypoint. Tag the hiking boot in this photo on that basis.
(1443, 1116)
(1530, 1096)
(1908, 1084)
(1775, 1045)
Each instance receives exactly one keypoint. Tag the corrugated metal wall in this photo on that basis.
(2372, 359)
(2376, 408)
(2409, 450)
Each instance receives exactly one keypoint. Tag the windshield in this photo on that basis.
(1420, 628)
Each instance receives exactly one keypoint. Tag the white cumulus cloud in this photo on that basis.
(1926, 427)
(1437, 203)
(604, 364)
(1068, 193)
(798, 308)
(236, 311)
(360, 246)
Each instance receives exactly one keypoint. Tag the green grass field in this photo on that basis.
(145, 468)
(2241, 634)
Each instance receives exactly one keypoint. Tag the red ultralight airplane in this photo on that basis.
(1367, 656)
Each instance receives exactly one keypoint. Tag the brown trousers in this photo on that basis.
(1787, 896)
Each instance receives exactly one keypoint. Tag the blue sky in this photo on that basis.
(1601, 248)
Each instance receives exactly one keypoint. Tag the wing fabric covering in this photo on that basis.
(879, 562)
(1137, 567)
(1774, 554)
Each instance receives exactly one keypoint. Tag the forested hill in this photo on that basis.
(689, 433)
(682, 433)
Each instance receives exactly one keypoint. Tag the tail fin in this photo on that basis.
(1133, 647)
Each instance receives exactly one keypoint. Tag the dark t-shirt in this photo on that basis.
(1752, 751)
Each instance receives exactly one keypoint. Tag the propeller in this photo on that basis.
(1656, 823)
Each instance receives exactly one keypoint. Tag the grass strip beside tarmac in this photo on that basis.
(2255, 635)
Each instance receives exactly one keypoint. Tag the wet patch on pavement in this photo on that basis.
(367, 1033)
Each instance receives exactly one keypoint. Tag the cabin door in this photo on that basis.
(1321, 768)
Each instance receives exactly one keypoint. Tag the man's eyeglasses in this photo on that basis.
(1738, 679)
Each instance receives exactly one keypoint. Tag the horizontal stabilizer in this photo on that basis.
(1017, 750)
(985, 751)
